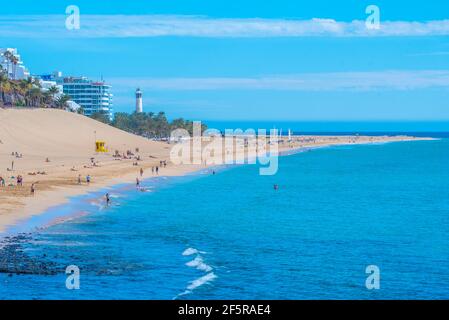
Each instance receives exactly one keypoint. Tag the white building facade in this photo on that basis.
(12, 64)
(92, 96)
(47, 84)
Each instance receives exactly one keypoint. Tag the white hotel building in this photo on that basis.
(15, 71)
(93, 96)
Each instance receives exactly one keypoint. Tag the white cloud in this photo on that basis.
(344, 81)
(200, 26)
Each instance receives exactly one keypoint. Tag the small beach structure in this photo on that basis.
(100, 146)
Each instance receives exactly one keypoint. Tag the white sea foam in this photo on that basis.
(190, 251)
(98, 204)
(199, 264)
(182, 294)
(201, 281)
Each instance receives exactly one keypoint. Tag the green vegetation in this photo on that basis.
(28, 93)
(149, 125)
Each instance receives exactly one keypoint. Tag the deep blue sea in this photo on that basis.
(232, 236)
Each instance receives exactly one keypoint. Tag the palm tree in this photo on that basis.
(14, 62)
(47, 98)
(50, 94)
(3, 84)
(53, 91)
(35, 97)
(36, 82)
(26, 84)
(100, 116)
(61, 102)
(7, 56)
(162, 125)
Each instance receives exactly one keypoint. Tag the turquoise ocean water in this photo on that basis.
(232, 236)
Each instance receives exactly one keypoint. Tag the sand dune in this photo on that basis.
(61, 136)
(68, 141)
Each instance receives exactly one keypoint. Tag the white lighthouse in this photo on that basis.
(139, 108)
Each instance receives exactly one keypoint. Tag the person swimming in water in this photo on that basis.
(276, 187)
(137, 182)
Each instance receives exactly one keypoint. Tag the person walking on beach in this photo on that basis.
(137, 182)
(2, 182)
(19, 180)
(88, 179)
(141, 171)
(152, 170)
(108, 199)
(79, 179)
(157, 170)
(32, 189)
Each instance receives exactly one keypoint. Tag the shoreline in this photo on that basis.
(59, 196)
(38, 207)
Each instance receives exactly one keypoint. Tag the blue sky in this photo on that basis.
(240, 60)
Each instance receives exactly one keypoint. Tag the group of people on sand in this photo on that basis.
(129, 155)
(93, 163)
(16, 154)
(88, 179)
(19, 183)
(155, 169)
(36, 173)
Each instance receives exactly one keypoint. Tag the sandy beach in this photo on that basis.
(53, 148)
